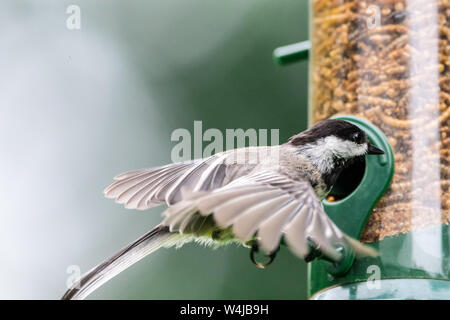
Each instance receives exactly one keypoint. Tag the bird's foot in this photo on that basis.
(255, 249)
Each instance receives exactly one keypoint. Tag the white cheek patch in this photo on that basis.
(344, 148)
(323, 151)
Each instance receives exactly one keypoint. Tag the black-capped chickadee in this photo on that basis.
(254, 195)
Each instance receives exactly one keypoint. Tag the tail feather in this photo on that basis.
(158, 237)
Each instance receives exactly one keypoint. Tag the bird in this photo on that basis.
(257, 196)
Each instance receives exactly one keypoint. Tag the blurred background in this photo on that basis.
(80, 106)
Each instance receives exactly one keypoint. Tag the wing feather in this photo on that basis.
(187, 180)
(146, 195)
(117, 188)
(226, 213)
(271, 229)
(246, 224)
(295, 232)
(146, 188)
(265, 205)
(214, 199)
(136, 187)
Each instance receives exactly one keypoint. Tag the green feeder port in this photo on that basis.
(359, 188)
(385, 68)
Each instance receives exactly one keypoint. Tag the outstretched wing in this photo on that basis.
(146, 188)
(269, 205)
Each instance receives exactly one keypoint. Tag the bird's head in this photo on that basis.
(332, 144)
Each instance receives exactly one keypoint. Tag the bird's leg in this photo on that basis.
(316, 252)
(312, 255)
(255, 249)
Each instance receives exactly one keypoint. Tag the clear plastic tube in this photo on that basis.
(389, 61)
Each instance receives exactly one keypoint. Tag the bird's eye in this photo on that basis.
(357, 137)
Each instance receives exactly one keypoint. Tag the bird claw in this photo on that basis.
(315, 252)
(260, 265)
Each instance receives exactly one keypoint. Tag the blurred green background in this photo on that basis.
(79, 106)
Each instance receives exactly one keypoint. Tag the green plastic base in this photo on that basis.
(404, 289)
(415, 256)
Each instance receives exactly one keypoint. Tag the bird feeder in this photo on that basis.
(386, 63)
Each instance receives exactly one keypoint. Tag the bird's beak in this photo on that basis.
(374, 150)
